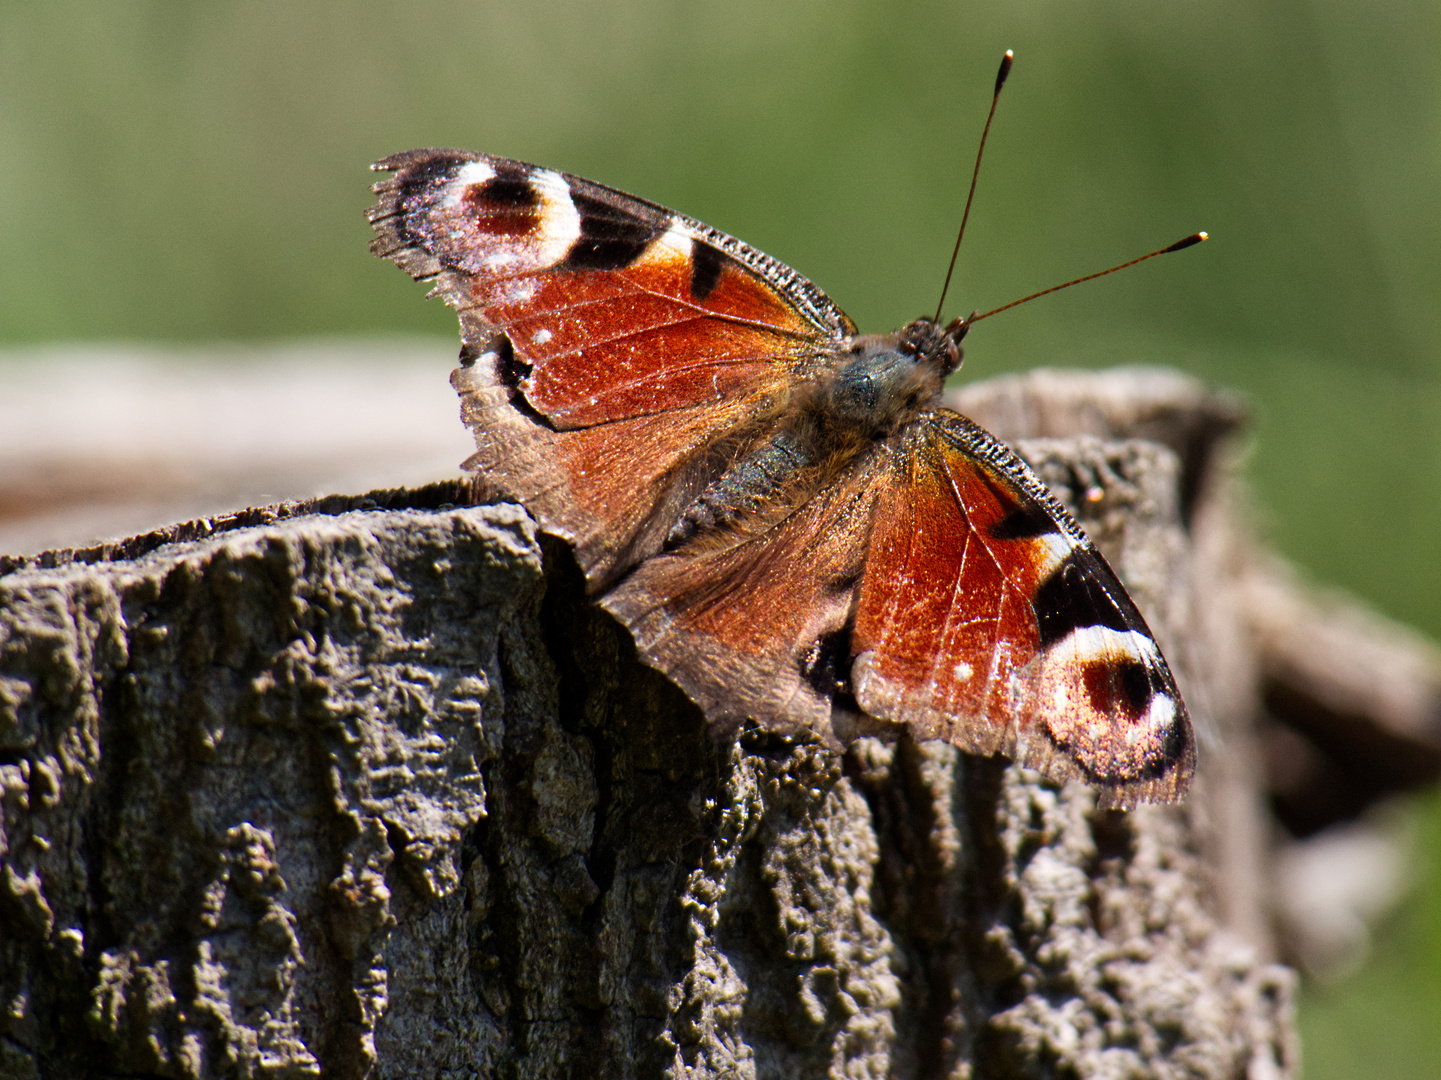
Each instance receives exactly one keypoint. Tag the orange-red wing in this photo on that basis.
(615, 307)
(933, 584)
(611, 490)
(753, 625)
(609, 344)
(986, 618)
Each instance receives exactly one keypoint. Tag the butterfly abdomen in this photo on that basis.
(872, 390)
(756, 479)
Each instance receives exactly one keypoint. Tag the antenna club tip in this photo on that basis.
(1005, 70)
(1194, 238)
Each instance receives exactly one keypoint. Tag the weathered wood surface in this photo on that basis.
(367, 788)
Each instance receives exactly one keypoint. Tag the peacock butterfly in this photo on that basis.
(793, 529)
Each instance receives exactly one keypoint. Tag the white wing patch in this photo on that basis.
(469, 174)
(670, 248)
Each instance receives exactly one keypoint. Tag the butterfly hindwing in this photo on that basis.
(754, 623)
(586, 310)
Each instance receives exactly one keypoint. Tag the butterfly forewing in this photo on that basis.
(988, 619)
(610, 344)
(616, 306)
(945, 620)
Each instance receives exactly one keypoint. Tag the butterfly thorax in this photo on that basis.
(876, 386)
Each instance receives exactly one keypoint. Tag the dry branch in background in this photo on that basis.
(365, 786)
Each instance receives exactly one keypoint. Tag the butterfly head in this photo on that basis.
(887, 380)
(935, 345)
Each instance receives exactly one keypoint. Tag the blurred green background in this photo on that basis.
(187, 172)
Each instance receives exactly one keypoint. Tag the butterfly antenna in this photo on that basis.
(1194, 238)
(1006, 62)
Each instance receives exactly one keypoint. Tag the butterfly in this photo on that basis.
(777, 507)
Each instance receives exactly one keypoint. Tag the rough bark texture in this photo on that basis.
(366, 787)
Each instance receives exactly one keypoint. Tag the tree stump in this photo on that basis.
(366, 787)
